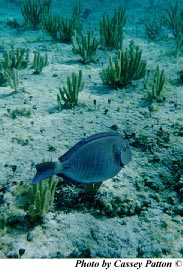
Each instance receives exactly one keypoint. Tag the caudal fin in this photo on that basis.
(44, 170)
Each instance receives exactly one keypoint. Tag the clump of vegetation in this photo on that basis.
(13, 78)
(181, 76)
(51, 24)
(32, 11)
(15, 58)
(111, 29)
(13, 23)
(3, 77)
(37, 199)
(66, 29)
(174, 21)
(125, 67)
(39, 62)
(86, 47)
(9, 218)
(153, 28)
(60, 28)
(92, 189)
(68, 95)
(44, 196)
(25, 112)
(158, 84)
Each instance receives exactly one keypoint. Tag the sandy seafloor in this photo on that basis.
(139, 213)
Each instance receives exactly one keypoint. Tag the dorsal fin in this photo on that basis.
(94, 137)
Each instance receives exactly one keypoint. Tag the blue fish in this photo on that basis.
(92, 160)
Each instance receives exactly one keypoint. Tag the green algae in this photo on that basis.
(68, 95)
(86, 47)
(111, 29)
(124, 67)
(39, 62)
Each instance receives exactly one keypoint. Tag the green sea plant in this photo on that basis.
(13, 23)
(66, 29)
(126, 66)
(181, 76)
(174, 21)
(76, 12)
(25, 112)
(39, 62)
(86, 47)
(111, 29)
(68, 95)
(92, 189)
(50, 24)
(43, 197)
(158, 84)
(153, 28)
(3, 78)
(15, 58)
(60, 28)
(13, 79)
(173, 18)
(179, 42)
(32, 11)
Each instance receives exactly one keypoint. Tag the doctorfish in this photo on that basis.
(92, 160)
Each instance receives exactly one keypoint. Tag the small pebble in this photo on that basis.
(29, 237)
(21, 251)
(11, 255)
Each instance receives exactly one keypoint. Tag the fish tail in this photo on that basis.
(45, 170)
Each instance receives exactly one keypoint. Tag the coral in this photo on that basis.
(127, 66)
(12, 60)
(3, 78)
(32, 11)
(13, 23)
(86, 47)
(77, 11)
(174, 21)
(92, 189)
(173, 18)
(68, 95)
(181, 76)
(50, 24)
(158, 84)
(29, 204)
(111, 29)
(13, 79)
(60, 28)
(44, 195)
(179, 41)
(153, 28)
(66, 29)
(15, 58)
(39, 62)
